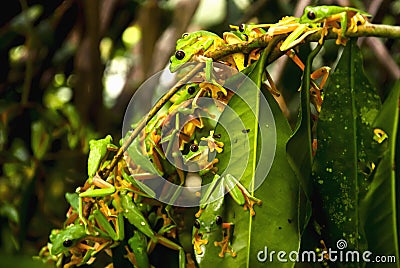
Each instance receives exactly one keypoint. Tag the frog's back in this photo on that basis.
(323, 12)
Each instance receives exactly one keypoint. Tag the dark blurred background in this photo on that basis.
(69, 68)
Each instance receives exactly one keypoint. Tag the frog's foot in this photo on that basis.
(355, 21)
(214, 88)
(74, 261)
(225, 243)
(129, 255)
(209, 167)
(198, 242)
(341, 40)
(253, 56)
(250, 201)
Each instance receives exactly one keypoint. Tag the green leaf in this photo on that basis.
(275, 224)
(345, 150)
(10, 212)
(299, 145)
(98, 150)
(40, 139)
(135, 153)
(379, 207)
(73, 200)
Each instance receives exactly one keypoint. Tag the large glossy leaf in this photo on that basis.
(298, 147)
(345, 154)
(380, 205)
(275, 225)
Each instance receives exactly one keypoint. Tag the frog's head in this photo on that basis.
(208, 223)
(210, 218)
(312, 15)
(63, 240)
(185, 49)
(195, 153)
(191, 44)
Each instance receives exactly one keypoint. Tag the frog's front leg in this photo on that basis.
(341, 32)
(198, 241)
(240, 194)
(225, 243)
(208, 72)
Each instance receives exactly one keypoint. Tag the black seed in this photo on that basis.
(180, 54)
(241, 27)
(67, 243)
(289, 220)
(246, 130)
(279, 228)
(246, 38)
(311, 15)
(191, 90)
(194, 147)
(218, 220)
(197, 224)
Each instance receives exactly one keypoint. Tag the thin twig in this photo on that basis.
(105, 172)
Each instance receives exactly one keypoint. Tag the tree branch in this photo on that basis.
(369, 29)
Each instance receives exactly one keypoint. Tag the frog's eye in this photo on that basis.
(311, 15)
(218, 220)
(241, 27)
(197, 224)
(194, 147)
(191, 90)
(180, 54)
(185, 35)
(67, 243)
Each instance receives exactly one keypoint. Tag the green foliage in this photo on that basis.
(346, 158)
